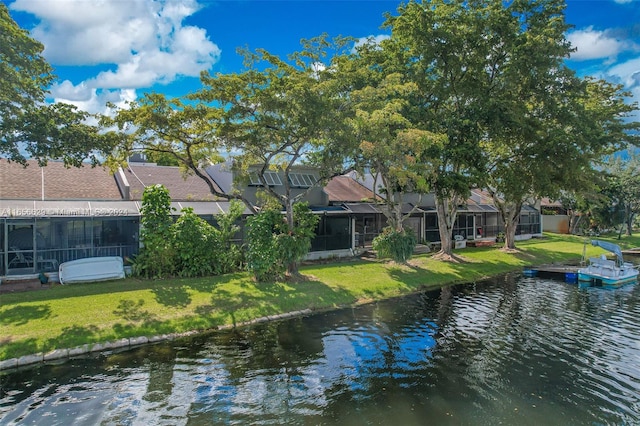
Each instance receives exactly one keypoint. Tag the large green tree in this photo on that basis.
(544, 128)
(178, 131)
(29, 128)
(555, 144)
(532, 105)
(390, 147)
(441, 47)
(624, 188)
(278, 114)
(491, 77)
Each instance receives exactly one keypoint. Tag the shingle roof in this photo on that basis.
(56, 182)
(181, 188)
(346, 189)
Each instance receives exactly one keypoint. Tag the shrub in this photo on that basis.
(397, 245)
(228, 254)
(190, 247)
(272, 247)
(157, 256)
(264, 259)
(196, 245)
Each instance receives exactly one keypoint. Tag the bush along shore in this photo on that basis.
(66, 321)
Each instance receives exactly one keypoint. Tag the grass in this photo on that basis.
(73, 315)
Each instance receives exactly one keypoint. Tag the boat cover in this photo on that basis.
(613, 248)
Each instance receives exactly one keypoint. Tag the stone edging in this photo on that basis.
(57, 354)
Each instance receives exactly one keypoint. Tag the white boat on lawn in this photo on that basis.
(603, 271)
(91, 269)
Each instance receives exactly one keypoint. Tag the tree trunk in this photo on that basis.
(629, 216)
(510, 213)
(574, 221)
(447, 209)
(510, 234)
(393, 212)
(292, 267)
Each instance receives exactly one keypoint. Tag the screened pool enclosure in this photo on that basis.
(36, 236)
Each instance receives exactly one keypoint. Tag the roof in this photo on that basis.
(474, 207)
(65, 208)
(222, 175)
(547, 202)
(345, 189)
(528, 208)
(480, 196)
(103, 208)
(368, 181)
(362, 208)
(56, 182)
(181, 187)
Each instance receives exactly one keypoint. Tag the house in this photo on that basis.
(362, 205)
(53, 214)
(335, 230)
(477, 219)
(185, 189)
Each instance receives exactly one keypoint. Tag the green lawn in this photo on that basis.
(72, 315)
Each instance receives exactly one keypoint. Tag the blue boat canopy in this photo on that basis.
(613, 248)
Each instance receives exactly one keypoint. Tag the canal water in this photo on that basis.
(513, 350)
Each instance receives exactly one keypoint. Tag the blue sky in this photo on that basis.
(116, 50)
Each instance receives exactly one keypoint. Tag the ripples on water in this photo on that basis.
(512, 351)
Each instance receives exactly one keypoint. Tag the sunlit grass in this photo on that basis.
(69, 316)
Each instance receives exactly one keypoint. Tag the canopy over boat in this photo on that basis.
(613, 248)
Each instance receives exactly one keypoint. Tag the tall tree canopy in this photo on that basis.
(278, 114)
(624, 189)
(391, 148)
(490, 75)
(177, 131)
(442, 47)
(28, 126)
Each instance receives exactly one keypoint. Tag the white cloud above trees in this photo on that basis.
(594, 44)
(615, 53)
(135, 43)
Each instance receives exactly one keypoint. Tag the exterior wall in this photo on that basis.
(414, 223)
(555, 223)
(330, 254)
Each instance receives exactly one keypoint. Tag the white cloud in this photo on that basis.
(143, 42)
(593, 44)
(627, 73)
(89, 99)
(67, 90)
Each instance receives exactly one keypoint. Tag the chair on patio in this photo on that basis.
(47, 265)
(20, 259)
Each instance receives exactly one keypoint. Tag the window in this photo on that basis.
(302, 180)
(271, 178)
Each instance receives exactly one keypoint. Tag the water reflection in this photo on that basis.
(513, 350)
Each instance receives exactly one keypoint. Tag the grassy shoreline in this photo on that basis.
(74, 315)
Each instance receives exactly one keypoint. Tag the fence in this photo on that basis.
(48, 260)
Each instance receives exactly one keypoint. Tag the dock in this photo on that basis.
(632, 252)
(562, 272)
